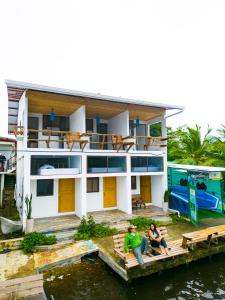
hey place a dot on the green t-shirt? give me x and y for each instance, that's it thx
(133, 240)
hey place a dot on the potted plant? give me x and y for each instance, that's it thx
(29, 220)
(166, 200)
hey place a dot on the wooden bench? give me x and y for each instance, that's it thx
(130, 260)
(23, 288)
(208, 235)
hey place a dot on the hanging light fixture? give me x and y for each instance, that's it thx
(137, 121)
(52, 116)
(98, 120)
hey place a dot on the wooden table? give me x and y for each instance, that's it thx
(202, 235)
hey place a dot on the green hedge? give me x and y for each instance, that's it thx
(88, 229)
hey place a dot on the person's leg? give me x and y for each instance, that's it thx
(138, 255)
(163, 244)
(144, 245)
(155, 244)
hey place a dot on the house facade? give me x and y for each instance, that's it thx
(81, 152)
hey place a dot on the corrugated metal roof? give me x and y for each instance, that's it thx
(197, 168)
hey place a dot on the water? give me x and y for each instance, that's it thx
(93, 280)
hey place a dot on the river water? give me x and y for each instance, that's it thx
(93, 280)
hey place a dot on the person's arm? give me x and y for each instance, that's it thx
(151, 236)
(126, 244)
(159, 236)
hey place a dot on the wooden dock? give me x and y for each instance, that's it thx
(200, 245)
(27, 288)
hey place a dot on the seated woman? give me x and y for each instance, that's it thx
(156, 239)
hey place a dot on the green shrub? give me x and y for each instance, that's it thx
(88, 229)
(35, 239)
(143, 223)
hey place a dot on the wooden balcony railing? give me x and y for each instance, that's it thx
(117, 141)
(8, 165)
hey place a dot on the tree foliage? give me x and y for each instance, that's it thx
(187, 145)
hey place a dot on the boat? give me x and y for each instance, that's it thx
(9, 226)
(179, 200)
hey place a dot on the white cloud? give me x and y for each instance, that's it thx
(166, 51)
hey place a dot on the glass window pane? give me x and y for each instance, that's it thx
(93, 185)
(45, 187)
(133, 182)
(116, 164)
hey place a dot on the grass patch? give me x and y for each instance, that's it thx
(36, 239)
(176, 219)
(88, 229)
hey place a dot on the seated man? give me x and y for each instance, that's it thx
(137, 243)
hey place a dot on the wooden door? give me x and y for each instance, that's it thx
(109, 188)
(66, 195)
(145, 187)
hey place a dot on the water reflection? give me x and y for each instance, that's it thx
(93, 280)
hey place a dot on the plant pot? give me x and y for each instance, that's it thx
(29, 225)
(165, 206)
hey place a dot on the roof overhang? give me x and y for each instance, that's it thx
(196, 168)
(50, 89)
(64, 101)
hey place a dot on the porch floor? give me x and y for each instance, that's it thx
(109, 216)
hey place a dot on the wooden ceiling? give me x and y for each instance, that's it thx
(64, 105)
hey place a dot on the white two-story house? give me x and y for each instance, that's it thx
(80, 152)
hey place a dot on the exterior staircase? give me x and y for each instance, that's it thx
(9, 209)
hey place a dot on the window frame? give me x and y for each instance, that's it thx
(135, 179)
(40, 181)
(92, 185)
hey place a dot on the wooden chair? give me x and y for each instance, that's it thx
(74, 137)
(119, 142)
(136, 200)
(21, 288)
(154, 141)
(130, 260)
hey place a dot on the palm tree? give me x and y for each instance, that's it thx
(187, 146)
(218, 148)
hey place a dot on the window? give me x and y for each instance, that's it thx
(133, 182)
(59, 123)
(89, 125)
(45, 187)
(106, 164)
(155, 129)
(93, 185)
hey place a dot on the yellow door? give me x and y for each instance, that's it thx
(145, 186)
(66, 195)
(109, 188)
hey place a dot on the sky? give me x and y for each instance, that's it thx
(168, 51)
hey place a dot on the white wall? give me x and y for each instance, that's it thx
(77, 120)
(22, 117)
(80, 196)
(124, 194)
(119, 124)
(158, 184)
(2, 179)
(95, 200)
(45, 206)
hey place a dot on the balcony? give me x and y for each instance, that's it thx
(45, 165)
(146, 164)
(7, 165)
(106, 164)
